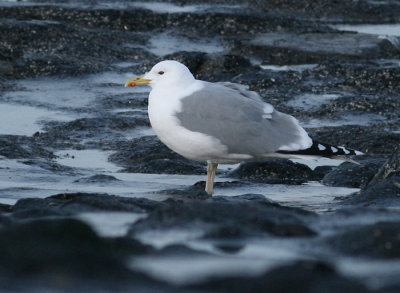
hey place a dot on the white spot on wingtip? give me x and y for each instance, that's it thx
(321, 147)
(346, 151)
(358, 153)
(268, 109)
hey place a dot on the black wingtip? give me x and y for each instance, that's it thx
(324, 150)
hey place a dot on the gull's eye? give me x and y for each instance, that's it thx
(161, 72)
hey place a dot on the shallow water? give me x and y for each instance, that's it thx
(311, 101)
(19, 180)
(165, 43)
(373, 29)
(299, 68)
(26, 120)
(45, 100)
(38, 106)
(347, 119)
(154, 6)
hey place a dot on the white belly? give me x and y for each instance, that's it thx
(192, 145)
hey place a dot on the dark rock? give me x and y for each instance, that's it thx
(368, 139)
(177, 250)
(230, 248)
(149, 155)
(274, 172)
(345, 11)
(194, 192)
(197, 190)
(108, 202)
(64, 40)
(5, 208)
(166, 166)
(353, 175)
(390, 168)
(51, 47)
(382, 189)
(49, 165)
(276, 47)
(67, 255)
(380, 240)
(13, 151)
(68, 204)
(20, 147)
(105, 129)
(223, 67)
(229, 219)
(321, 171)
(4, 221)
(99, 178)
(245, 198)
(384, 193)
(302, 276)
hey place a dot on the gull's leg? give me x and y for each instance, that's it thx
(211, 170)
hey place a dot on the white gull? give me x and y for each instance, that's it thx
(222, 122)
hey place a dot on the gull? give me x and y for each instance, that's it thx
(223, 122)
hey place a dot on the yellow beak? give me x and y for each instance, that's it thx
(138, 80)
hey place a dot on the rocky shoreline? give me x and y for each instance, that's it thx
(343, 86)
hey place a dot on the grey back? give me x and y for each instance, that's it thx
(227, 114)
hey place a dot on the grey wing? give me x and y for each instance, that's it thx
(242, 90)
(243, 125)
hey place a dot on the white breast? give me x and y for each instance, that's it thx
(163, 104)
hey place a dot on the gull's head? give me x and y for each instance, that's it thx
(166, 73)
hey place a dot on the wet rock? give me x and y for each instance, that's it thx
(389, 169)
(274, 172)
(49, 165)
(149, 155)
(21, 147)
(384, 193)
(321, 171)
(382, 189)
(177, 250)
(197, 190)
(4, 208)
(371, 77)
(194, 192)
(291, 48)
(94, 132)
(302, 276)
(247, 198)
(218, 67)
(67, 255)
(362, 11)
(49, 46)
(4, 220)
(228, 219)
(73, 203)
(166, 166)
(229, 248)
(99, 178)
(72, 39)
(353, 175)
(380, 240)
(368, 139)
(30, 152)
